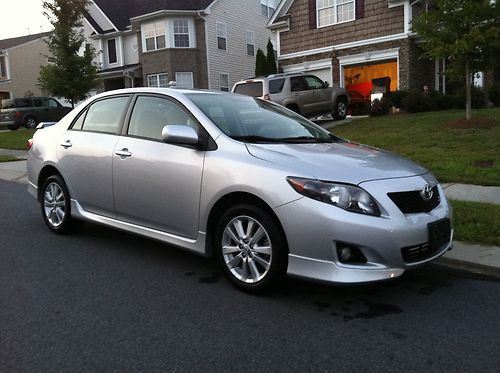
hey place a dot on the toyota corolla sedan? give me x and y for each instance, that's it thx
(266, 191)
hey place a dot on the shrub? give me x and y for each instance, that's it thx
(417, 101)
(397, 97)
(478, 98)
(494, 94)
(380, 107)
(445, 102)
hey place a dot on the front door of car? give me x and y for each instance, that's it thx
(301, 94)
(157, 185)
(322, 100)
(85, 154)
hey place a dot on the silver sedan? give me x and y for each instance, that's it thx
(266, 191)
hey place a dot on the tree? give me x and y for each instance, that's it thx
(260, 63)
(71, 72)
(462, 31)
(271, 60)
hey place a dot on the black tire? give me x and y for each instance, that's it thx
(30, 122)
(13, 127)
(252, 254)
(340, 109)
(56, 206)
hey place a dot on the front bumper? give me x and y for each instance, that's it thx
(314, 229)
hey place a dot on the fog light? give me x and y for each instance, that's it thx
(350, 254)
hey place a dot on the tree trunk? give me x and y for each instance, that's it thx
(468, 84)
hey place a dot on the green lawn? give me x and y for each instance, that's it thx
(465, 155)
(477, 222)
(15, 139)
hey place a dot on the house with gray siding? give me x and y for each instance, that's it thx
(196, 43)
(20, 61)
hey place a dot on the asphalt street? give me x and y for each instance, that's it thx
(104, 300)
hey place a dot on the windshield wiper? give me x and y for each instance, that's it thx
(256, 139)
(305, 139)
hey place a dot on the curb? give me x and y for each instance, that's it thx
(468, 266)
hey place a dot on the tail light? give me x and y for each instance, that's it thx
(267, 97)
(29, 144)
(18, 114)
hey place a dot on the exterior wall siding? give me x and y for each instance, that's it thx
(172, 60)
(239, 16)
(379, 20)
(24, 63)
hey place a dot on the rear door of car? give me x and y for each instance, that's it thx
(85, 153)
(157, 185)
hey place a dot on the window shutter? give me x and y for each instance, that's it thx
(312, 13)
(360, 9)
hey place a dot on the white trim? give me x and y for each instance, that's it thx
(407, 17)
(105, 16)
(381, 39)
(360, 58)
(284, 6)
(393, 4)
(90, 24)
(7, 67)
(334, 6)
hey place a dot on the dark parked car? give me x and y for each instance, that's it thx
(29, 111)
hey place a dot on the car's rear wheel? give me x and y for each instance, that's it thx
(251, 248)
(340, 109)
(56, 206)
(30, 122)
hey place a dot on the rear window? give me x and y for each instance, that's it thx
(16, 103)
(276, 85)
(253, 89)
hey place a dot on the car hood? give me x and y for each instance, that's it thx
(342, 162)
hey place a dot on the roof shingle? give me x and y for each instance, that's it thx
(14, 42)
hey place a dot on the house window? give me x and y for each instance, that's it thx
(250, 43)
(181, 33)
(158, 80)
(334, 11)
(221, 36)
(154, 36)
(267, 7)
(112, 51)
(224, 82)
(3, 67)
(184, 80)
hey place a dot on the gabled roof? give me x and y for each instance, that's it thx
(120, 12)
(14, 42)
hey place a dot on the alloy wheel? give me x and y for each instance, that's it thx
(54, 204)
(246, 249)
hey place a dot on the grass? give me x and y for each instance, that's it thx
(15, 139)
(7, 158)
(465, 155)
(477, 222)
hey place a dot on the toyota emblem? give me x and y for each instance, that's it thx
(426, 193)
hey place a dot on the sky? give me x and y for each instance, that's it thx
(22, 17)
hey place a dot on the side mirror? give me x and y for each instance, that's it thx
(179, 134)
(326, 84)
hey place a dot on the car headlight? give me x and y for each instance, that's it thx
(344, 196)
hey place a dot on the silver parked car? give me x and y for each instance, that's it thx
(251, 182)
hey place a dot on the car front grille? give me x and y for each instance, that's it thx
(412, 202)
(418, 253)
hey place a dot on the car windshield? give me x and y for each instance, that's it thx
(254, 120)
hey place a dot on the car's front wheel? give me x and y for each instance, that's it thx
(56, 208)
(251, 248)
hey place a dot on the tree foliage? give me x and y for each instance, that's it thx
(271, 60)
(260, 63)
(71, 72)
(464, 32)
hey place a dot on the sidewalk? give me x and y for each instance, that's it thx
(476, 258)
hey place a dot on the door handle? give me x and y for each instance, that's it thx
(66, 144)
(123, 153)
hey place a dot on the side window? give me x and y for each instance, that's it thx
(77, 125)
(276, 85)
(297, 83)
(314, 82)
(105, 115)
(52, 103)
(151, 114)
(38, 102)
